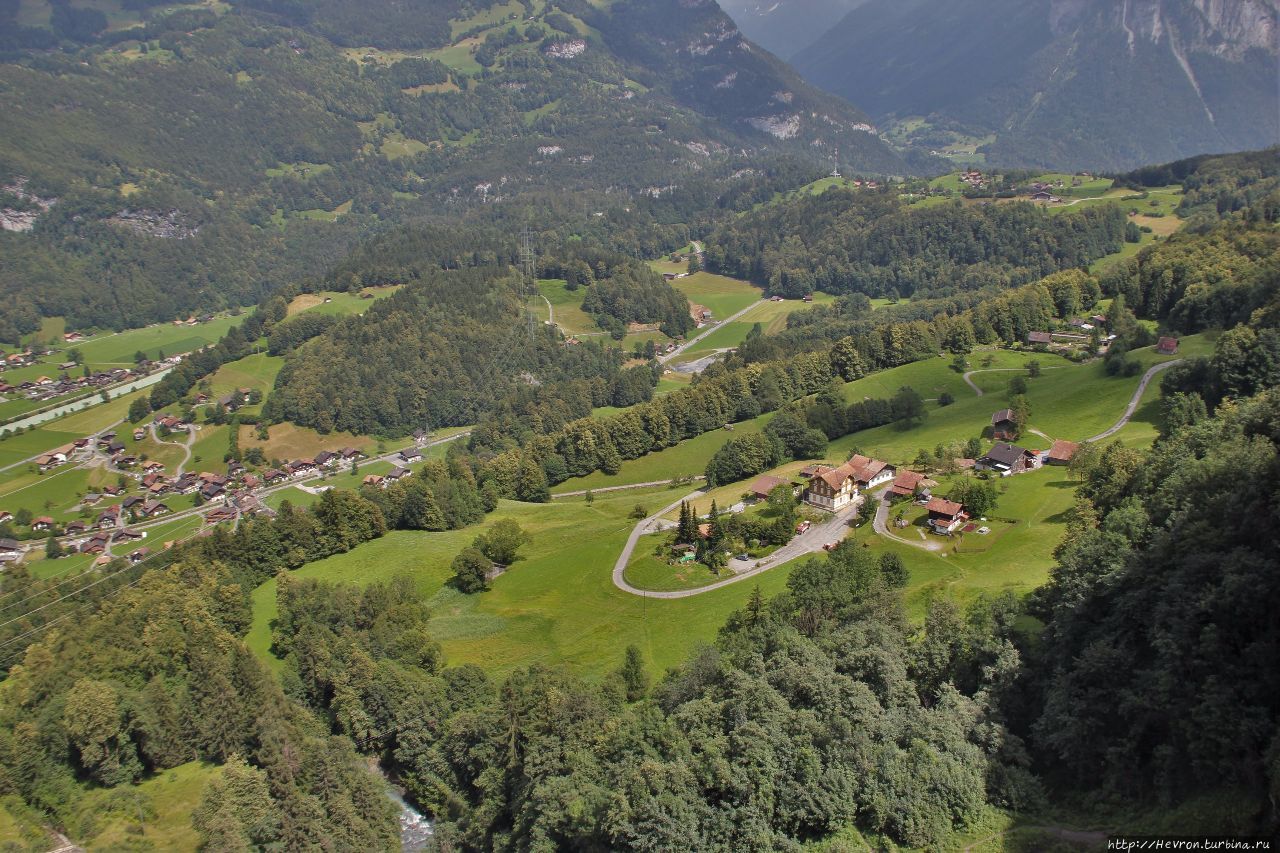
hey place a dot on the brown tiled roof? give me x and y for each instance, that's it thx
(905, 483)
(942, 506)
(765, 484)
(1062, 451)
(1002, 416)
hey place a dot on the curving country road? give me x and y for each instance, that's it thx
(809, 542)
(968, 381)
(1134, 401)
(879, 525)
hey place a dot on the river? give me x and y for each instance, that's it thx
(415, 830)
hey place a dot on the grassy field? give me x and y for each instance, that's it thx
(339, 303)
(556, 605)
(165, 801)
(567, 305)
(118, 350)
(772, 317)
(724, 296)
(290, 441)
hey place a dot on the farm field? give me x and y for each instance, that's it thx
(772, 317)
(117, 350)
(289, 441)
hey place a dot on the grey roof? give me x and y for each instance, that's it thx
(1005, 454)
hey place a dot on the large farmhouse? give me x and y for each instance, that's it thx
(834, 489)
(1006, 459)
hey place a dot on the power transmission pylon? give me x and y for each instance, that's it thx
(529, 270)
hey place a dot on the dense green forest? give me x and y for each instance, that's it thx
(441, 352)
(844, 241)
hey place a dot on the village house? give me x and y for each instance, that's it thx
(396, 474)
(374, 480)
(411, 454)
(5, 516)
(96, 545)
(1039, 339)
(139, 555)
(945, 516)
(834, 489)
(1003, 426)
(1167, 346)
(907, 483)
(108, 518)
(350, 454)
(10, 551)
(1007, 459)
(42, 523)
(327, 459)
(221, 514)
(1061, 453)
(153, 509)
(765, 484)
(128, 535)
(76, 528)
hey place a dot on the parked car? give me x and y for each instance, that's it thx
(802, 527)
(742, 557)
(831, 546)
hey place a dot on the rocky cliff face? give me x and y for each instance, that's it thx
(1088, 83)
(1227, 28)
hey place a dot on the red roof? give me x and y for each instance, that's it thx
(906, 482)
(1062, 451)
(942, 506)
(766, 484)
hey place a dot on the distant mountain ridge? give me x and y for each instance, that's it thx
(1065, 83)
(785, 27)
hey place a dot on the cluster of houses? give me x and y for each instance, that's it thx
(835, 488)
(44, 388)
(974, 179)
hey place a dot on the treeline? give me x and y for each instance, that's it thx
(1154, 679)
(1195, 281)
(719, 397)
(814, 711)
(1219, 185)
(158, 677)
(845, 241)
(443, 351)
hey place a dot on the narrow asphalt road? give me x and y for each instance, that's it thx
(880, 525)
(1134, 402)
(667, 357)
(809, 542)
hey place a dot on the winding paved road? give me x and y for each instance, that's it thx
(1134, 402)
(809, 542)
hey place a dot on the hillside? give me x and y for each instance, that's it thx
(1080, 84)
(204, 157)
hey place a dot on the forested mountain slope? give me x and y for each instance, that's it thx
(174, 161)
(1082, 84)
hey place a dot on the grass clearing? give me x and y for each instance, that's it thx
(166, 799)
(566, 306)
(557, 605)
(722, 295)
(290, 441)
(339, 303)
